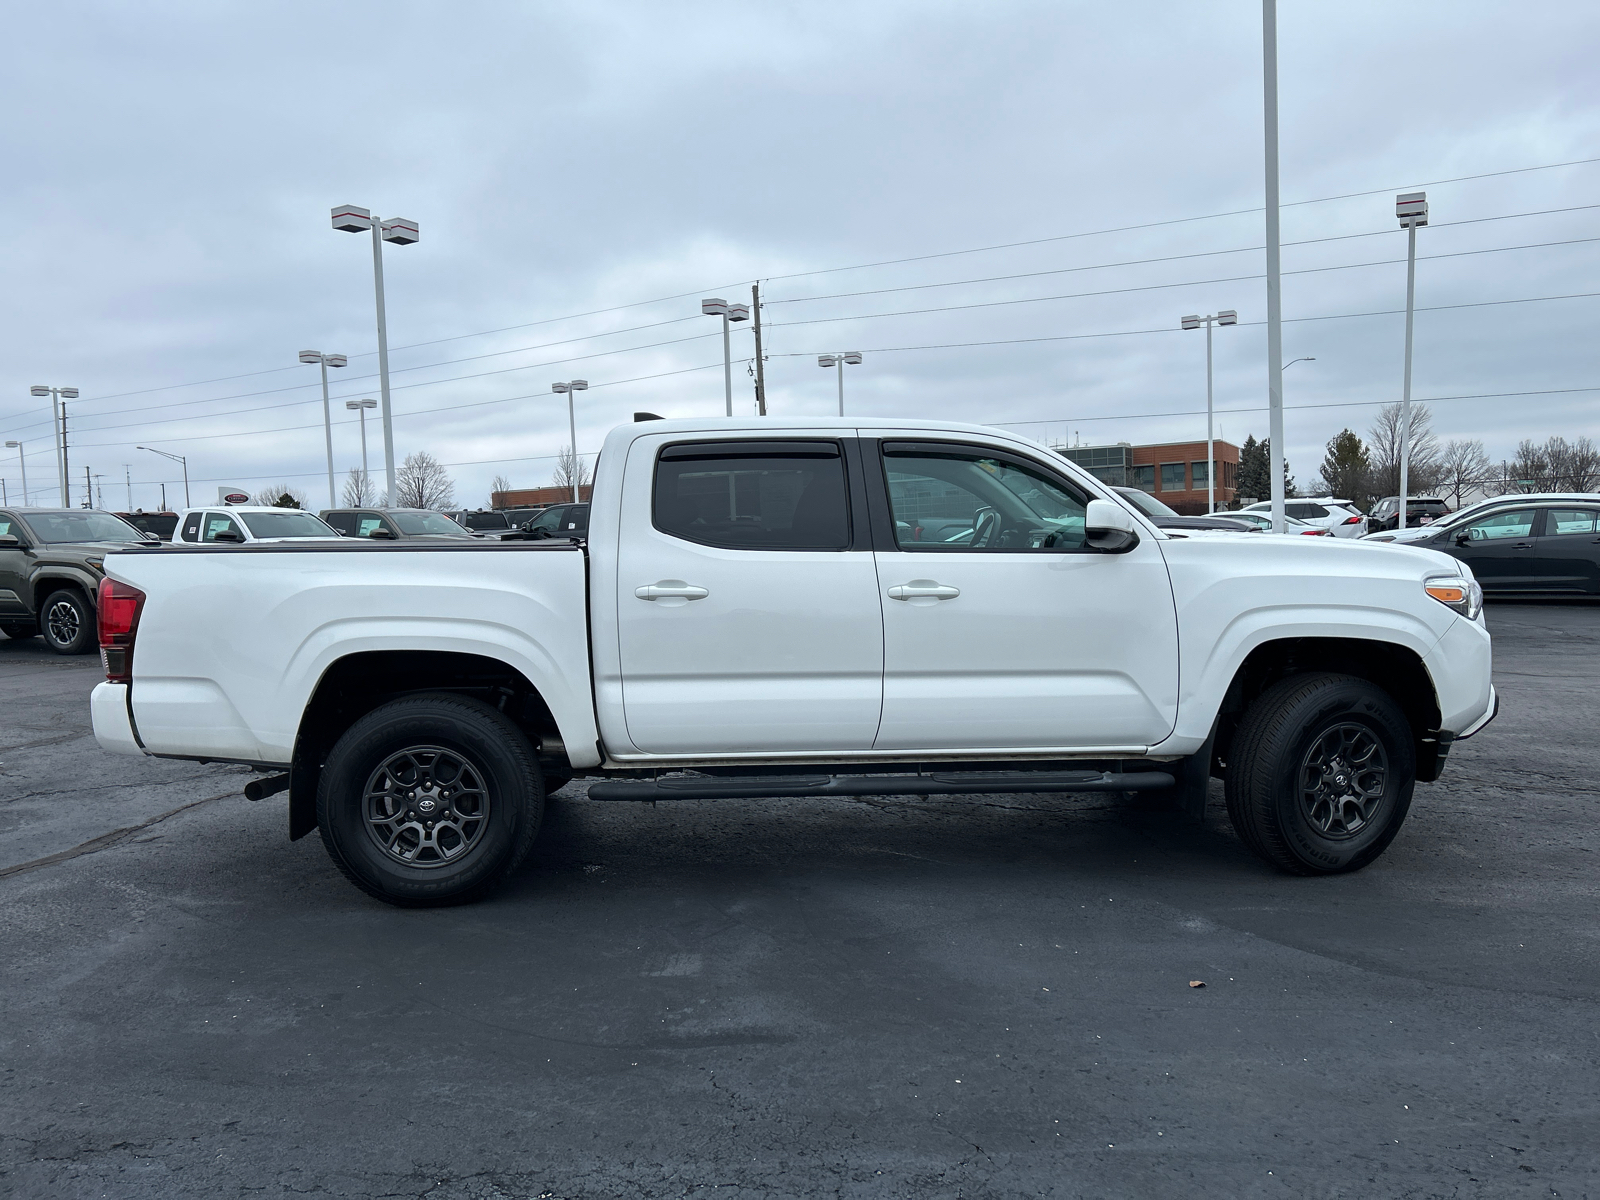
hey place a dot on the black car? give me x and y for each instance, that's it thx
(1549, 549)
(557, 521)
(1165, 518)
(1420, 510)
(50, 570)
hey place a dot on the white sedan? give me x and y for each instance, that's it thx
(1263, 520)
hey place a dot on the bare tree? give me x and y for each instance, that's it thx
(359, 490)
(1383, 442)
(1463, 465)
(571, 469)
(1574, 466)
(497, 486)
(280, 495)
(423, 483)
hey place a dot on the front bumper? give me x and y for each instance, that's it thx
(1494, 711)
(113, 726)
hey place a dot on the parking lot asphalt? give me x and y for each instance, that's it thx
(959, 997)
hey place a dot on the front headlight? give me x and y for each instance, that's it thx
(1459, 592)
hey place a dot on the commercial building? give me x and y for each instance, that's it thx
(1174, 472)
(533, 497)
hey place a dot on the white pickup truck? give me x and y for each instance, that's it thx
(788, 608)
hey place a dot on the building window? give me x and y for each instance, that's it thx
(1144, 477)
(1172, 477)
(1198, 472)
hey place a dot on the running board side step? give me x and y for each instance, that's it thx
(974, 783)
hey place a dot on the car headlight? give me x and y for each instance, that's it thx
(1461, 593)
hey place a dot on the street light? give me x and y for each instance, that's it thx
(1412, 209)
(1292, 362)
(58, 416)
(326, 361)
(361, 407)
(349, 219)
(728, 312)
(1226, 317)
(582, 385)
(853, 357)
(23, 463)
(177, 458)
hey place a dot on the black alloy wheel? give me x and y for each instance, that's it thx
(433, 799)
(1321, 774)
(67, 622)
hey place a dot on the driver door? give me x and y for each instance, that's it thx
(1005, 630)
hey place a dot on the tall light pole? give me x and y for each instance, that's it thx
(23, 463)
(326, 361)
(177, 458)
(361, 407)
(1227, 316)
(1269, 105)
(582, 385)
(58, 417)
(350, 219)
(853, 357)
(728, 312)
(1412, 209)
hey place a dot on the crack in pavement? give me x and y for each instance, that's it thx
(107, 840)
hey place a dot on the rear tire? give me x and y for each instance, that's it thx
(430, 800)
(1321, 774)
(19, 630)
(68, 623)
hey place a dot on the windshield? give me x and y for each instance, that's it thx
(485, 520)
(85, 526)
(1146, 503)
(290, 523)
(417, 523)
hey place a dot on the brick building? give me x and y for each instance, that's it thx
(533, 497)
(1173, 472)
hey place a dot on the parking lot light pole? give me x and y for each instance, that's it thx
(361, 407)
(1226, 317)
(326, 361)
(58, 417)
(838, 361)
(348, 218)
(582, 385)
(23, 463)
(177, 458)
(1412, 209)
(715, 307)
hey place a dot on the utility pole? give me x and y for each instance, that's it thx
(127, 475)
(761, 378)
(163, 497)
(88, 489)
(66, 500)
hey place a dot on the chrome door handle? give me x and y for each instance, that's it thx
(920, 588)
(670, 589)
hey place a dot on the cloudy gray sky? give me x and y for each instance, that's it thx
(582, 174)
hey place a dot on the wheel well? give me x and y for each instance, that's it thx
(1396, 669)
(42, 588)
(358, 683)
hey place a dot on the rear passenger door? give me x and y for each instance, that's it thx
(748, 618)
(1567, 553)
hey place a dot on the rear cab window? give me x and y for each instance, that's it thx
(759, 495)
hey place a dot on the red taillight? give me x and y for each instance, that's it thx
(1354, 520)
(1314, 533)
(120, 605)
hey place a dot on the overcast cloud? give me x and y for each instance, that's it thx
(171, 170)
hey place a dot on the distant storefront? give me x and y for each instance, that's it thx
(1174, 472)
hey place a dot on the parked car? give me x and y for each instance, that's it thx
(745, 604)
(159, 524)
(1165, 518)
(1525, 548)
(1263, 522)
(483, 522)
(557, 521)
(1420, 510)
(392, 523)
(248, 523)
(1340, 518)
(1415, 533)
(50, 572)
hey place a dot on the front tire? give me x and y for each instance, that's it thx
(430, 800)
(1322, 771)
(67, 622)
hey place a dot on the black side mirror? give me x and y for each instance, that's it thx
(227, 535)
(383, 534)
(1463, 538)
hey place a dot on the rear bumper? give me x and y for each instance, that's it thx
(113, 727)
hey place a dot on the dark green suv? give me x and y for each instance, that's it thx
(50, 570)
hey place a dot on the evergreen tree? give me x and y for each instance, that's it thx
(1255, 471)
(1347, 469)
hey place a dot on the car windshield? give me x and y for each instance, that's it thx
(290, 523)
(419, 523)
(69, 526)
(485, 520)
(1146, 503)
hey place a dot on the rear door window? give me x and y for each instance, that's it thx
(1560, 521)
(191, 528)
(344, 522)
(753, 495)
